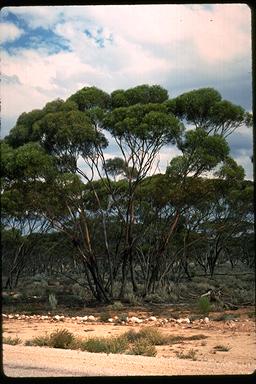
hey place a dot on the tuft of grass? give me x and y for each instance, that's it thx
(204, 305)
(152, 334)
(104, 316)
(196, 337)
(227, 316)
(40, 341)
(191, 354)
(131, 335)
(52, 301)
(175, 339)
(61, 338)
(143, 347)
(221, 348)
(251, 315)
(11, 340)
(117, 306)
(106, 345)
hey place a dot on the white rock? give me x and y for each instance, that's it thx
(91, 318)
(10, 316)
(183, 320)
(4, 315)
(57, 317)
(116, 317)
(110, 320)
(84, 318)
(206, 320)
(152, 318)
(135, 319)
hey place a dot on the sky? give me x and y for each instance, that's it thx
(51, 52)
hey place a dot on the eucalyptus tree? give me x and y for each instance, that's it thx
(65, 176)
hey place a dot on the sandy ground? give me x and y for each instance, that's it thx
(238, 336)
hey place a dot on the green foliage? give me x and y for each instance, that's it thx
(142, 94)
(11, 340)
(117, 306)
(53, 301)
(143, 347)
(61, 338)
(151, 334)
(221, 348)
(90, 97)
(204, 305)
(191, 354)
(104, 316)
(106, 345)
(40, 341)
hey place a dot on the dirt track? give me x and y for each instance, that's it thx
(238, 336)
(41, 361)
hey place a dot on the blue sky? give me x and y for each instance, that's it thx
(50, 52)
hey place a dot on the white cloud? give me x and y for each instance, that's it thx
(9, 32)
(177, 46)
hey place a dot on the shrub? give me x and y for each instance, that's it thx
(153, 335)
(131, 335)
(11, 340)
(123, 316)
(227, 316)
(53, 301)
(107, 345)
(39, 341)
(104, 316)
(196, 337)
(117, 306)
(221, 348)
(204, 305)
(61, 338)
(143, 347)
(190, 355)
(132, 299)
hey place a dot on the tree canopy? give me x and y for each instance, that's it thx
(126, 223)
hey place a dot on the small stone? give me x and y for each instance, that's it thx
(110, 320)
(91, 318)
(183, 320)
(84, 318)
(57, 317)
(206, 320)
(152, 318)
(4, 315)
(10, 316)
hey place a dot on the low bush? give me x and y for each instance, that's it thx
(204, 305)
(151, 334)
(53, 301)
(11, 340)
(104, 316)
(117, 306)
(107, 345)
(227, 316)
(61, 338)
(143, 347)
(40, 341)
(191, 354)
(221, 348)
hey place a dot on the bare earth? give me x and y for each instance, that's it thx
(238, 336)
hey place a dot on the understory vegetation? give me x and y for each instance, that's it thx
(141, 342)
